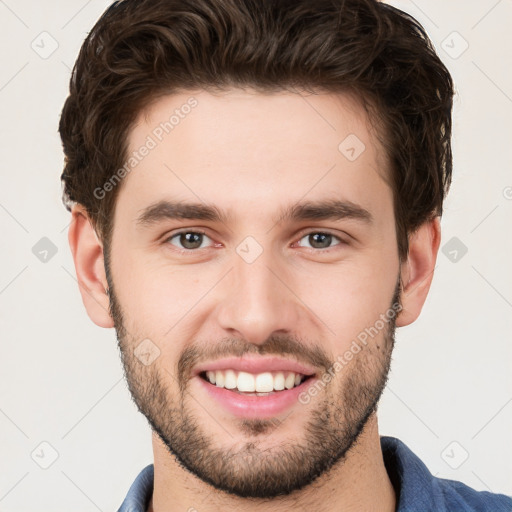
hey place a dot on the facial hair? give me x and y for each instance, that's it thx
(335, 421)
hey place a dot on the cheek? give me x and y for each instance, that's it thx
(168, 305)
(350, 298)
(161, 301)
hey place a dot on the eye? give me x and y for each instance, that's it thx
(321, 240)
(188, 240)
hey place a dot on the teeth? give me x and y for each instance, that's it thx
(219, 379)
(230, 379)
(261, 384)
(279, 381)
(245, 382)
(289, 382)
(265, 382)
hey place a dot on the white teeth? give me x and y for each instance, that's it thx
(289, 382)
(230, 379)
(245, 382)
(279, 381)
(261, 384)
(264, 382)
(219, 379)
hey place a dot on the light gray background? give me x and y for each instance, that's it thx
(450, 391)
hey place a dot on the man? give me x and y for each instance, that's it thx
(256, 190)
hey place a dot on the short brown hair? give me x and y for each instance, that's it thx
(142, 49)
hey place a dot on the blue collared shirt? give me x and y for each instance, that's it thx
(417, 490)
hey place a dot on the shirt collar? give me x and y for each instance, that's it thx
(140, 492)
(415, 487)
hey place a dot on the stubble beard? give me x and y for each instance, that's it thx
(245, 469)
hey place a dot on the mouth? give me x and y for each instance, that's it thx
(261, 384)
(253, 387)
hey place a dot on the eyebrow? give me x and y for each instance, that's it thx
(310, 210)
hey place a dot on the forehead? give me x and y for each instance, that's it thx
(249, 152)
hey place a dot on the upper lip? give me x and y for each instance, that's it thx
(255, 365)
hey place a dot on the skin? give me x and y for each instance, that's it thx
(252, 154)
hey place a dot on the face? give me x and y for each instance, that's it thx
(255, 327)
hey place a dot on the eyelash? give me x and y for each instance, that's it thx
(304, 234)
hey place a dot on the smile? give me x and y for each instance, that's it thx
(260, 384)
(253, 387)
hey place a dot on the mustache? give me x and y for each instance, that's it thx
(276, 345)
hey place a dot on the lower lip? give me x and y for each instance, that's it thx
(252, 406)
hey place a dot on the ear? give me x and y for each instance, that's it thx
(418, 270)
(87, 253)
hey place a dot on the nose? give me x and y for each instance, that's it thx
(258, 300)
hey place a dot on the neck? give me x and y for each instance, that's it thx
(359, 483)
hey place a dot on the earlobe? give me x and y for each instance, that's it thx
(417, 271)
(87, 253)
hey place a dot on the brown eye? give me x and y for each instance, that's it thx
(321, 240)
(188, 240)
